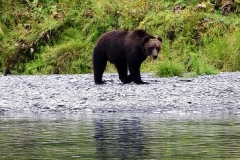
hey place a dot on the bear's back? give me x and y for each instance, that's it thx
(113, 35)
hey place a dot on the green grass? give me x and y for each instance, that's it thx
(63, 34)
(169, 69)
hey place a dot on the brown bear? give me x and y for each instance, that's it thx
(126, 50)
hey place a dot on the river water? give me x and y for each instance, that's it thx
(119, 136)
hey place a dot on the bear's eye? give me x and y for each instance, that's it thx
(151, 48)
(158, 49)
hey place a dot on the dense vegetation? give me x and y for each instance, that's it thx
(58, 36)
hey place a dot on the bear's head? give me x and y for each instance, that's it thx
(152, 46)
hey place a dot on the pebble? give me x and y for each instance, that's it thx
(79, 94)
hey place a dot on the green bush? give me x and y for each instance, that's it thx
(169, 69)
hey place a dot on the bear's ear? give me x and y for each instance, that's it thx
(146, 39)
(160, 39)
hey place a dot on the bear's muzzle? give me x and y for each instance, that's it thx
(154, 56)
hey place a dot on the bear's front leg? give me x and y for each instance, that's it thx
(135, 75)
(127, 79)
(100, 82)
(139, 81)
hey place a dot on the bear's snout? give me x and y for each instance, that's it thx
(154, 56)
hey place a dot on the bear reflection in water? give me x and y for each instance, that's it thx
(123, 140)
(126, 50)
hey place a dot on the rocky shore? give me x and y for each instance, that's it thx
(77, 94)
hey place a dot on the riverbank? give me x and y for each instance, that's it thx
(78, 93)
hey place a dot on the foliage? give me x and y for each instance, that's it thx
(198, 66)
(169, 69)
(58, 36)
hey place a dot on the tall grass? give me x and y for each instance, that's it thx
(224, 52)
(169, 69)
(58, 36)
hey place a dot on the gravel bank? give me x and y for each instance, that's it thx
(78, 93)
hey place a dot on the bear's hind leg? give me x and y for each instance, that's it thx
(99, 65)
